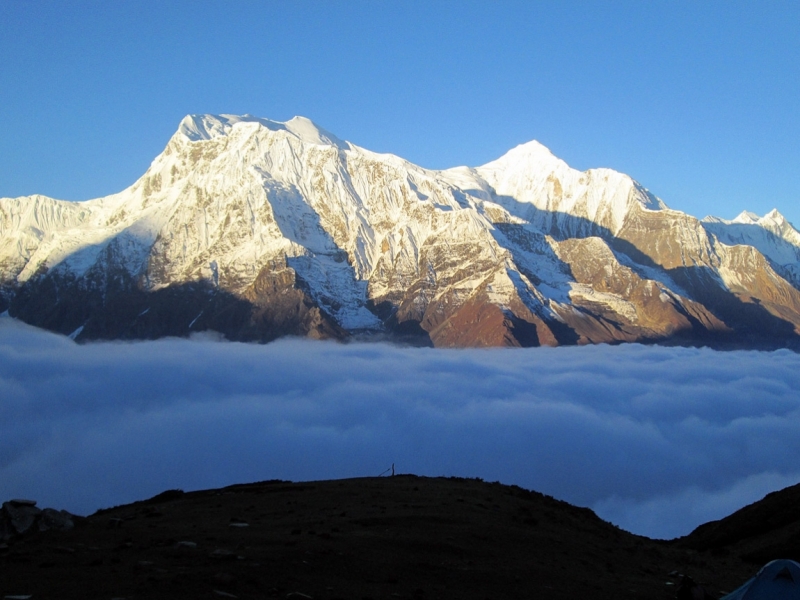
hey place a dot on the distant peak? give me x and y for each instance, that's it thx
(751, 218)
(775, 220)
(534, 148)
(774, 215)
(532, 152)
(747, 217)
(206, 127)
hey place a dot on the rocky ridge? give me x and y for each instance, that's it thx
(258, 229)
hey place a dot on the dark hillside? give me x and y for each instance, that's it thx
(763, 531)
(392, 537)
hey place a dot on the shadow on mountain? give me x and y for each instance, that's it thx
(752, 320)
(531, 242)
(752, 323)
(531, 251)
(407, 333)
(560, 226)
(762, 240)
(121, 310)
(327, 276)
(302, 295)
(289, 296)
(324, 273)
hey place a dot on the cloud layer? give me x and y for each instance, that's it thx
(657, 440)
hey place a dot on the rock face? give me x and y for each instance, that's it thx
(20, 517)
(259, 229)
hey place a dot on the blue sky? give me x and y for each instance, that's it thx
(697, 101)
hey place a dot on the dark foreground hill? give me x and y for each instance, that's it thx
(758, 533)
(393, 537)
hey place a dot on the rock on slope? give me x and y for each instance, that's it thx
(258, 229)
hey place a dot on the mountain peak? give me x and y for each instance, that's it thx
(776, 216)
(532, 152)
(206, 126)
(772, 219)
(746, 217)
(261, 228)
(527, 158)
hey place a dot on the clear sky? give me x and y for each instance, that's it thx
(698, 101)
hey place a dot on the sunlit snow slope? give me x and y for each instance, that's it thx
(258, 229)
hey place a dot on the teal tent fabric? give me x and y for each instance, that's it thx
(777, 580)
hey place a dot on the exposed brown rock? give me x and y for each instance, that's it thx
(622, 306)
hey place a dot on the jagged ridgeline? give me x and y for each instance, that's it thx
(258, 229)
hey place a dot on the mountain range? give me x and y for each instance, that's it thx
(258, 229)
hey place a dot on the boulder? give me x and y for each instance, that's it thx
(19, 517)
(60, 520)
(22, 514)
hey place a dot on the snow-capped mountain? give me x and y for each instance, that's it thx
(257, 229)
(772, 235)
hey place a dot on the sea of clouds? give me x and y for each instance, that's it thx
(657, 440)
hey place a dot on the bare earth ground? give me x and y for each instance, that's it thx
(392, 537)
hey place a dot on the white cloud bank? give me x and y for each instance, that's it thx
(657, 440)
